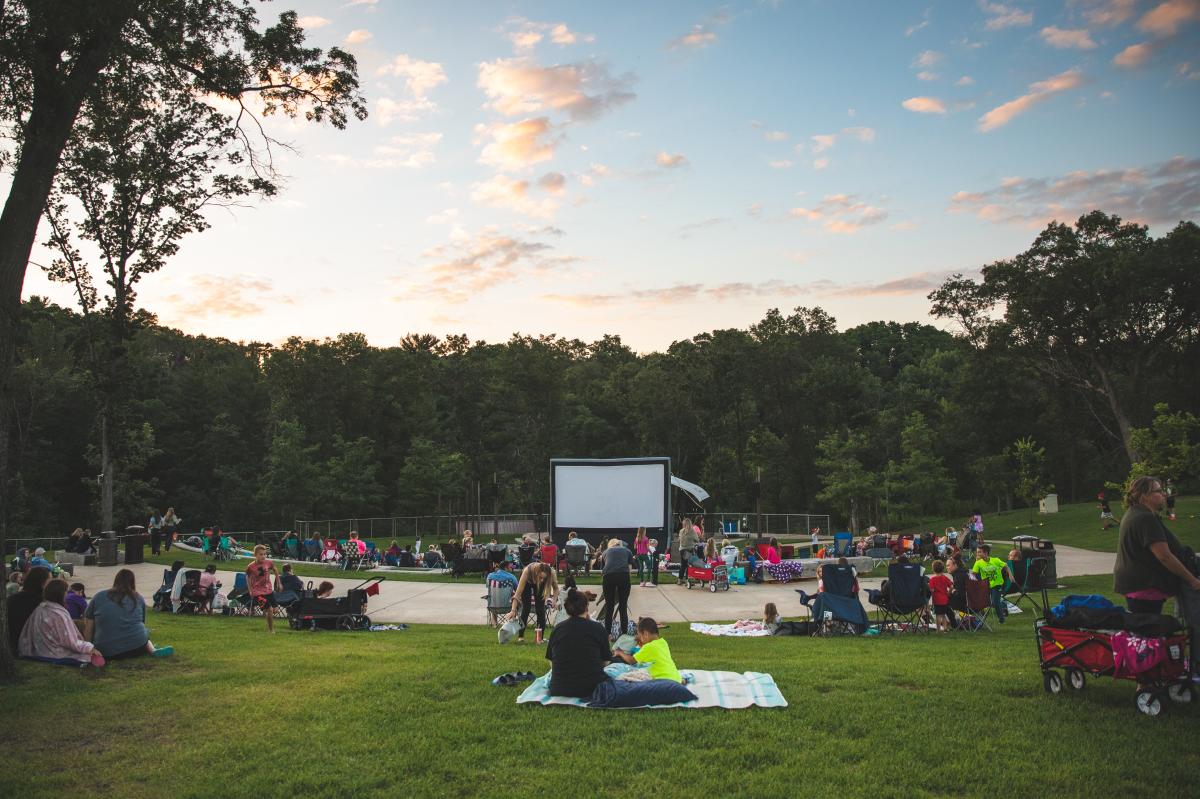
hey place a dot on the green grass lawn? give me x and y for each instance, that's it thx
(1075, 525)
(240, 713)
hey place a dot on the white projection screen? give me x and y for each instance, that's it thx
(596, 498)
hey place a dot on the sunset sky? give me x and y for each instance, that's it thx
(656, 170)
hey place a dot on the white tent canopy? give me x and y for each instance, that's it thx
(691, 489)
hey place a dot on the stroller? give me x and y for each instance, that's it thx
(715, 576)
(161, 600)
(347, 612)
(191, 598)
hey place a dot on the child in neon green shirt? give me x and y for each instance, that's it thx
(992, 570)
(654, 651)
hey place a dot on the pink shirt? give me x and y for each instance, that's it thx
(258, 575)
(207, 581)
(362, 546)
(50, 633)
(772, 555)
(641, 547)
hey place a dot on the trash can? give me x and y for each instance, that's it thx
(1040, 554)
(135, 546)
(106, 552)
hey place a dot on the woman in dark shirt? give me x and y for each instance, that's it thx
(578, 650)
(22, 604)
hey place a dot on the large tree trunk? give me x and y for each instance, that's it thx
(1118, 412)
(56, 103)
(106, 479)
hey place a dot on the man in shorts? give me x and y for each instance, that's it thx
(261, 578)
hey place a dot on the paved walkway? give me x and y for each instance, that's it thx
(461, 602)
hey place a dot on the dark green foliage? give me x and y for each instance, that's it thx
(885, 423)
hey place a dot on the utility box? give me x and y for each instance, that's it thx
(1049, 504)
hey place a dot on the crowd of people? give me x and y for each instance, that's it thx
(52, 621)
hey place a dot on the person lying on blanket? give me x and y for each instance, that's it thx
(652, 650)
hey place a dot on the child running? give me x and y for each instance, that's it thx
(940, 586)
(653, 650)
(261, 578)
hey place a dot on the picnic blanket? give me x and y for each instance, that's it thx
(785, 571)
(728, 689)
(741, 629)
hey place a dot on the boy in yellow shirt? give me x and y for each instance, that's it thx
(653, 650)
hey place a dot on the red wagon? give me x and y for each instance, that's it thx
(716, 576)
(1081, 652)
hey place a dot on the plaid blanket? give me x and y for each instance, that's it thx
(732, 630)
(727, 689)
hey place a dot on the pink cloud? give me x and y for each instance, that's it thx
(1068, 39)
(1038, 92)
(1165, 19)
(924, 105)
(518, 144)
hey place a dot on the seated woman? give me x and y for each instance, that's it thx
(289, 581)
(22, 604)
(115, 621)
(578, 650)
(52, 637)
(729, 553)
(392, 556)
(434, 559)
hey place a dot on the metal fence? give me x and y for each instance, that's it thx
(433, 528)
(428, 528)
(773, 524)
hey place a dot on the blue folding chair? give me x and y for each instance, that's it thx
(843, 545)
(904, 603)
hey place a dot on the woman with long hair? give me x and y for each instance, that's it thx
(536, 587)
(641, 548)
(115, 620)
(23, 603)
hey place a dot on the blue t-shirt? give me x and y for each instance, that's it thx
(119, 627)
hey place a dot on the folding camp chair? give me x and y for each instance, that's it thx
(240, 602)
(549, 556)
(525, 554)
(499, 599)
(904, 604)
(843, 544)
(293, 548)
(881, 556)
(577, 560)
(837, 610)
(1027, 576)
(979, 607)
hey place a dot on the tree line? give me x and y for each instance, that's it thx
(1050, 381)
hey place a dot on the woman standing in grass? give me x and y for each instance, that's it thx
(261, 578)
(536, 586)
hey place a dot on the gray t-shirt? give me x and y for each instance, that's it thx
(119, 627)
(617, 560)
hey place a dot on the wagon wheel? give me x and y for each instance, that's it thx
(712, 588)
(364, 622)
(1181, 693)
(294, 622)
(1149, 703)
(1075, 679)
(346, 622)
(689, 584)
(1052, 682)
